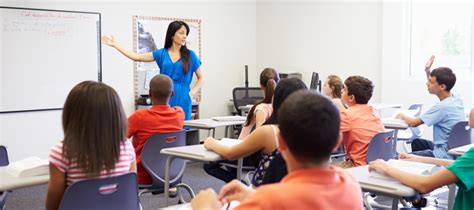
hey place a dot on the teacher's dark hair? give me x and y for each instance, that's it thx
(184, 52)
(95, 126)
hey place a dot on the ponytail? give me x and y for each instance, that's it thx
(269, 91)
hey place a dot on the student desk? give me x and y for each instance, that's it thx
(197, 153)
(458, 151)
(395, 125)
(381, 186)
(211, 125)
(380, 106)
(9, 182)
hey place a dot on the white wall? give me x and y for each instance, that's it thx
(329, 37)
(228, 43)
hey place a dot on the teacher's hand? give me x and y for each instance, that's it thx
(109, 40)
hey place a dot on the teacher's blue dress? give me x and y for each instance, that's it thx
(181, 81)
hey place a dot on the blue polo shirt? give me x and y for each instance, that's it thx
(443, 116)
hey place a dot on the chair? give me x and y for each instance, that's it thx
(380, 147)
(412, 132)
(3, 162)
(243, 96)
(155, 163)
(116, 192)
(460, 135)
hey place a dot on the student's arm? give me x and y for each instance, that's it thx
(206, 199)
(430, 160)
(420, 183)
(235, 190)
(471, 118)
(259, 118)
(411, 121)
(133, 166)
(254, 142)
(428, 66)
(56, 188)
(145, 57)
(198, 84)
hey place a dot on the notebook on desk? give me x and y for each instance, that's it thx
(460, 150)
(28, 167)
(230, 118)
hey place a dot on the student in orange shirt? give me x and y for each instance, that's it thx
(360, 122)
(309, 132)
(160, 118)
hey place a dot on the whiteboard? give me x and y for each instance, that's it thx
(44, 53)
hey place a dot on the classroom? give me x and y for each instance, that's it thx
(387, 42)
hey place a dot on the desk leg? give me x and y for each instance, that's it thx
(240, 163)
(452, 193)
(213, 133)
(167, 179)
(395, 204)
(395, 140)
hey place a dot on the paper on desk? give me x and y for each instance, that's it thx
(31, 166)
(229, 118)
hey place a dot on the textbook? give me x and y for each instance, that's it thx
(407, 166)
(31, 166)
(230, 118)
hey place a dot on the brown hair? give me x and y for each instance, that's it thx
(361, 87)
(336, 85)
(268, 79)
(94, 125)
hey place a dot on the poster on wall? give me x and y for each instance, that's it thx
(149, 34)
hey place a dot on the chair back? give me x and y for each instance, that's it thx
(380, 147)
(460, 135)
(417, 131)
(3, 156)
(155, 163)
(116, 192)
(416, 107)
(243, 96)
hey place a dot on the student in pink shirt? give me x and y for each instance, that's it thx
(262, 110)
(95, 144)
(309, 132)
(360, 122)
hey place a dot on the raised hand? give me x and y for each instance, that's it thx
(428, 65)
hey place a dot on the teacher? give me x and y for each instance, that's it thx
(174, 60)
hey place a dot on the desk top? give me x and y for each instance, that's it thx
(9, 182)
(210, 123)
(458, 151)
(380, 106)
(198, 152)
(380, 185)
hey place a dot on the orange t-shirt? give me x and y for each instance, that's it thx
(146, 122)
(316, 188)
(359, 123)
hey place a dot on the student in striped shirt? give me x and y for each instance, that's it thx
(95, 143)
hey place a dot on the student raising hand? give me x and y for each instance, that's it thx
(428, 66)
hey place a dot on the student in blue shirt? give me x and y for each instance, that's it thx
(175, 60)
(442, 116)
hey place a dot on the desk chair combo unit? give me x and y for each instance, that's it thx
(3, 162)
(155, 163)
(406, 136)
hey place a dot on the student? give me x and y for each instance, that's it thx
(262, 110)
(160, 118)
(174, 60)
(263, 139)
(360, 122)
(94, 144)
(309, 132)
(460, 171)
(442, 116)
(332, 88)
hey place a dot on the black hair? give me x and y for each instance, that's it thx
(309, 125)
(184, 52)
(284, 88)
(444, 76)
